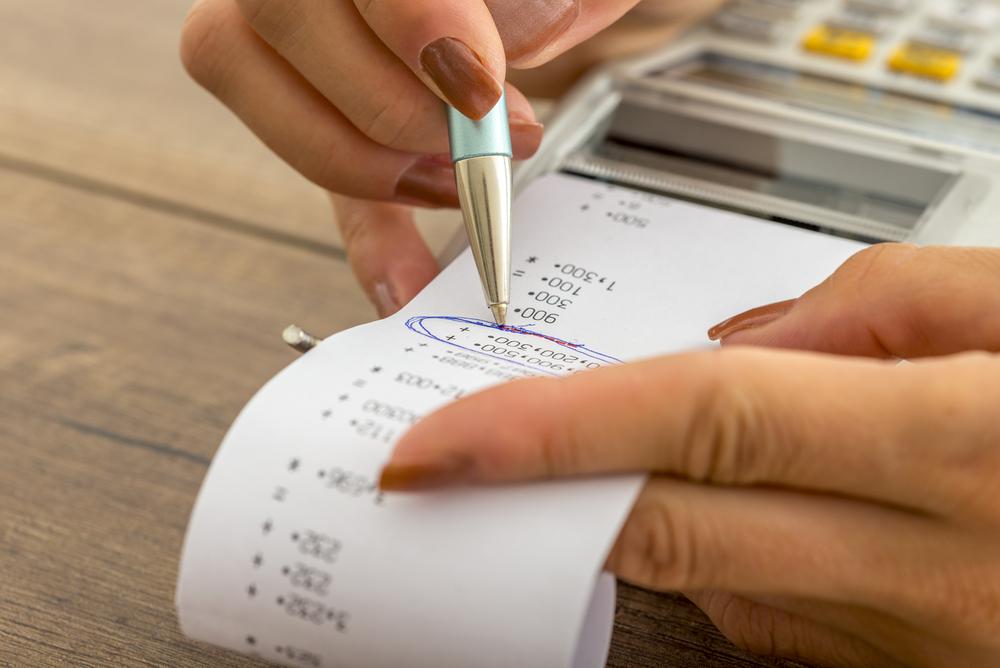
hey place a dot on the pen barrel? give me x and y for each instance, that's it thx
(484, 193)
(490, 135)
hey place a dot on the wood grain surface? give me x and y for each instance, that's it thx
(95, 92)
(150, 253)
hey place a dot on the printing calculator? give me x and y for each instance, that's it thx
(872, 119)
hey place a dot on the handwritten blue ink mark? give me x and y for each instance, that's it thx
(425, 325)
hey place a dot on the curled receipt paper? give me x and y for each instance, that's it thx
(294, 555)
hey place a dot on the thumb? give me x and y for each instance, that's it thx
(888, 301)
(536, 31)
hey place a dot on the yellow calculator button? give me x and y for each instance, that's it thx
(839, 42)
(925, 61)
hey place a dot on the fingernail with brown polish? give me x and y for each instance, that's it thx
(525, 137)
(461, 76)
(423, 473)
(755, 317)
(428, 182)
(385, 299)
(528, 26)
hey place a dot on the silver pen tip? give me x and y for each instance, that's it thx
(499, 313)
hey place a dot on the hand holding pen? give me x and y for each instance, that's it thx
(350, 94)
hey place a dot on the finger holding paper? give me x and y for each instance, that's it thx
(890, 300)
(802, 486)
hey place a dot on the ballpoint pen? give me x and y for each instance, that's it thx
(481, 153)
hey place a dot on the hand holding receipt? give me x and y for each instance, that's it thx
(295, 555)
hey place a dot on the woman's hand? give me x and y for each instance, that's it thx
(349, 92)
(841, 511)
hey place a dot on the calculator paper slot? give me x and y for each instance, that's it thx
(789, 177)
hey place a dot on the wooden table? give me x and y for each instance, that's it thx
(150, 253)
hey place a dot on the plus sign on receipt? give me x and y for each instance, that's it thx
(294, 555)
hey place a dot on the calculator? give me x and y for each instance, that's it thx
(947, 50)
(872, 119)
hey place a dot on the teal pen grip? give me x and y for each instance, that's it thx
(488, 136)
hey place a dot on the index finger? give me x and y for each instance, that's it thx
(889, 300)
(739, 417)
(451, 45)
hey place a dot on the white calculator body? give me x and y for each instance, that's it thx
(874, 119)
(947, 50)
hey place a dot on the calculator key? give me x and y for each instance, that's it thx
(829, 40)
(946, 39)
(747, 25)
(966, 15)
(990, 80)
(925, 61)
(867, 22)
(880, 6)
